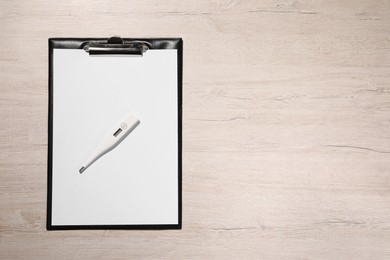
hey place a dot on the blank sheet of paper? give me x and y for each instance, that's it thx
(137, 182)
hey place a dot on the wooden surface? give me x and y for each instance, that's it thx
(286, 130)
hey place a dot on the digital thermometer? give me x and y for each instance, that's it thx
(112, 139)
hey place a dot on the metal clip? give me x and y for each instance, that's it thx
(117, 46)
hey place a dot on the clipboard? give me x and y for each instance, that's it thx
(93, 83)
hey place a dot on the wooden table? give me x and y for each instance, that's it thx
(286, 128)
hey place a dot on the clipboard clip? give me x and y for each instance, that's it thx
(117, 46)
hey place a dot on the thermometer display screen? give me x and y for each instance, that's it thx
(118, 132)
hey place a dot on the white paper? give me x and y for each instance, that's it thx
(137, 182)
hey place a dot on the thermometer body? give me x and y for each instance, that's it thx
(112, 139)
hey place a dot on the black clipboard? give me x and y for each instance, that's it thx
(123, 47)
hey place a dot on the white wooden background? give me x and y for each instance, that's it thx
(286, 128)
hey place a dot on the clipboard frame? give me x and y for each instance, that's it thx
(79, 43)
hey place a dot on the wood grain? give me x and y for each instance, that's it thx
(286, 151)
